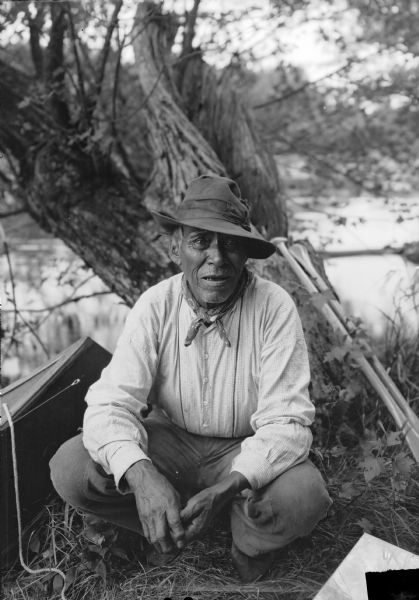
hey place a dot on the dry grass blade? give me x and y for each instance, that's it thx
(204, 569)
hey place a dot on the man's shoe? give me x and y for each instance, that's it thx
(251, 568)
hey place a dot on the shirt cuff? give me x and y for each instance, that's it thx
(122, 459)
(257, 470)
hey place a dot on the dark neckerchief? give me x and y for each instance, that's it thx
(212, 315)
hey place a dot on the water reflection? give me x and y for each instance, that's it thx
(382, 289)
(59, 300)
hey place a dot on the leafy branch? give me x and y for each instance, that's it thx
(16, 310)
(69, 300)
(106, 48)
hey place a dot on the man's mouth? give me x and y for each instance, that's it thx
(216, 278)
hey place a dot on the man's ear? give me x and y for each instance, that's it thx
(174, 250)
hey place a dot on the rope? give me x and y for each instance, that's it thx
(26, 414)
(18, 514)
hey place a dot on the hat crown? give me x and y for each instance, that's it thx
(215, 197)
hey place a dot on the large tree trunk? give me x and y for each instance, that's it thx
(194, 123)
(87, 200)
(214, 104)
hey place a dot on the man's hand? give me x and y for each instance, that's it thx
(158, 506)
(203, 507)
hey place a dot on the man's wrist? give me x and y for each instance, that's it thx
(134, 475)
(232, 485)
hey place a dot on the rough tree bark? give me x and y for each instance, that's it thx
(84, 197)
(212, 101)
(195, 123)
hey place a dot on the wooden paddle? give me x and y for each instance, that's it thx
(406, 420)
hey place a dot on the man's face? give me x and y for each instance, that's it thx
(212, 263)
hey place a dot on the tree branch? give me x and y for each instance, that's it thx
(5, 179)
(35, 29)
(16, 311)
(187, 49)
(60, 304)
(106, 48)
(54, 73)
(118, 144)
(305, 85)
(190, 28)
(80, 77)
(115, 84)
(12, 213)
(330, 166)
(12, 282)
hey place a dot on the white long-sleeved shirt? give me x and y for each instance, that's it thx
(257, 388)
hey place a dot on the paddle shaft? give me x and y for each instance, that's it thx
(299, 252)
(399, 416)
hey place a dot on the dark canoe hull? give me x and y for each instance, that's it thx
(47, 409)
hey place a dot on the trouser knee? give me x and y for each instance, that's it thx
(287, 508)
(302, 517)
(84, 484)
(67, 469)
(299, 500)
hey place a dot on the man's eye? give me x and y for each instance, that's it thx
(232, 244)
(199, 243)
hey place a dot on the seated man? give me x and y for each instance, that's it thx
(219, 354)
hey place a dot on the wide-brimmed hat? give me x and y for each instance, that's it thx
(215, 204)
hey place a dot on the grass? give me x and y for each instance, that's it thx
(113, 565)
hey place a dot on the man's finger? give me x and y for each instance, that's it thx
(146, 530)
(190, 511)
(161, 535)
(192, 530)
(158, 547)
(176, 527)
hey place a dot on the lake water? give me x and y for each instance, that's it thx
(377, 289)
(46, 273)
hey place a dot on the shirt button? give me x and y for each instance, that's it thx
(205, 380)
(206, 356)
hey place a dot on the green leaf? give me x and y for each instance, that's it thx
(100, 569)
(58, 71)
(336, 353)
(70, 576)
(403, 464)
(372, 467)
(348, 491)
(337, 451)
(92, 534)
(35, 544)
(94, 549)
(365, 524)
(350, 391)
(393, 438)
(319, 299)
(399, 485)
(370, 443)
(57, 583)
(120, 552)
(24, 103)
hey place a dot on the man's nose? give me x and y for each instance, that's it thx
(215, 251)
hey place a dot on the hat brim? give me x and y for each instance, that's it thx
(256, 245)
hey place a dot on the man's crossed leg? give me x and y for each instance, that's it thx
(262, 521)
